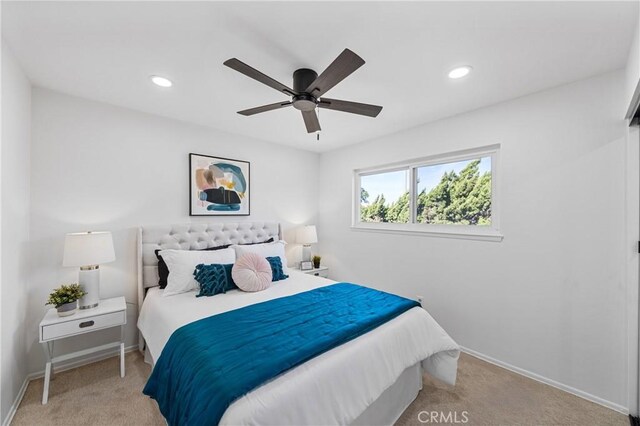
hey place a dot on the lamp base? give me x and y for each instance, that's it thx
(306, 253)
(95, 305)
(89, 280)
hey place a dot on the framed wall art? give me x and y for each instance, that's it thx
(218, 186)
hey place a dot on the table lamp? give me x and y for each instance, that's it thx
(306, 236)
(88, 250)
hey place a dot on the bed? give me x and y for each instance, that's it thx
(369, 380)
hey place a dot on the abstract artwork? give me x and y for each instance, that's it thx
(218, 186)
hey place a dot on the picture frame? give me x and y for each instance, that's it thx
(219, 186)
(306, 265)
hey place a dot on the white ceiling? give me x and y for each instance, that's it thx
(106, 51)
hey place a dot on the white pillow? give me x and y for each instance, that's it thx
(182, 263)
(265, 250)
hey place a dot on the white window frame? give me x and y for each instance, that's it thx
(475, 232)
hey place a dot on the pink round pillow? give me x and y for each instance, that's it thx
(252, 272)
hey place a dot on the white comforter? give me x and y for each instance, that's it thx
(333, 388)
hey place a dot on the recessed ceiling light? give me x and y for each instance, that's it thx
(460, 72)
(161, 81)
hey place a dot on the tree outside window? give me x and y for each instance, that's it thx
(452, 193)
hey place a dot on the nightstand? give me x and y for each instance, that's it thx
(322, 271)
(109, 313)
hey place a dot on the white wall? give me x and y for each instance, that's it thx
(632, 69)
(95, 166)
(633, 276)
(16, 134)
(549, 298)
(632, 80)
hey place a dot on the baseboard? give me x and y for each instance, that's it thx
(63, 366)
(584, 395)
(16, 402)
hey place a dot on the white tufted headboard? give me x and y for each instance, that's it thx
(193, 236)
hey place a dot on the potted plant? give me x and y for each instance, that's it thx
(316, 261)
(65, 299)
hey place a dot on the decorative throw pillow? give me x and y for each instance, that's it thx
(276, 269)
(252, 272)
(216, 248)
(182, 263)
(264, 250)
(214, 279)
(270, 240)
(163, 271)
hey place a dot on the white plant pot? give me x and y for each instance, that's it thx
(67, 309)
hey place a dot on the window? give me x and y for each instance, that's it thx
(384, 197)
(449, 195)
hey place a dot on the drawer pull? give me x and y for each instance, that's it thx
(316, 274)
(87, 324)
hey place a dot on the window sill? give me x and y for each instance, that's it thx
(429, 231)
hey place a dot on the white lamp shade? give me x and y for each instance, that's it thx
(88, 248)
(307, 235)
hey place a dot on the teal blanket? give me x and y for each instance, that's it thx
(208, 364)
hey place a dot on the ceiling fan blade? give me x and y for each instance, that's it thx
(346, 63)
(245, 69)
(311, 121)
(352, 107)
(265, 108)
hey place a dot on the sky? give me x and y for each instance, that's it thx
(394, 184)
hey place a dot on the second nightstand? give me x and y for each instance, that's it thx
(322, 271)
(109, 313)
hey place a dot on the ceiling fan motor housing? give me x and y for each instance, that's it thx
(302, 78)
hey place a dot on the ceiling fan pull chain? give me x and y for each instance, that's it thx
(318, 132)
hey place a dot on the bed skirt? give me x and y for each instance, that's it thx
(389, 406)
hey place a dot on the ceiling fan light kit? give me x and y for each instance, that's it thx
(308, 87)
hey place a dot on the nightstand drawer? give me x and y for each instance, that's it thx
(323, 274)
(82, 325)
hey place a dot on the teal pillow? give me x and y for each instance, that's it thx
(276, 268)
(214, 279)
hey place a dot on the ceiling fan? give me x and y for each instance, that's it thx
(308, 88)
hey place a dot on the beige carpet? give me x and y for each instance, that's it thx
(96, 395)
